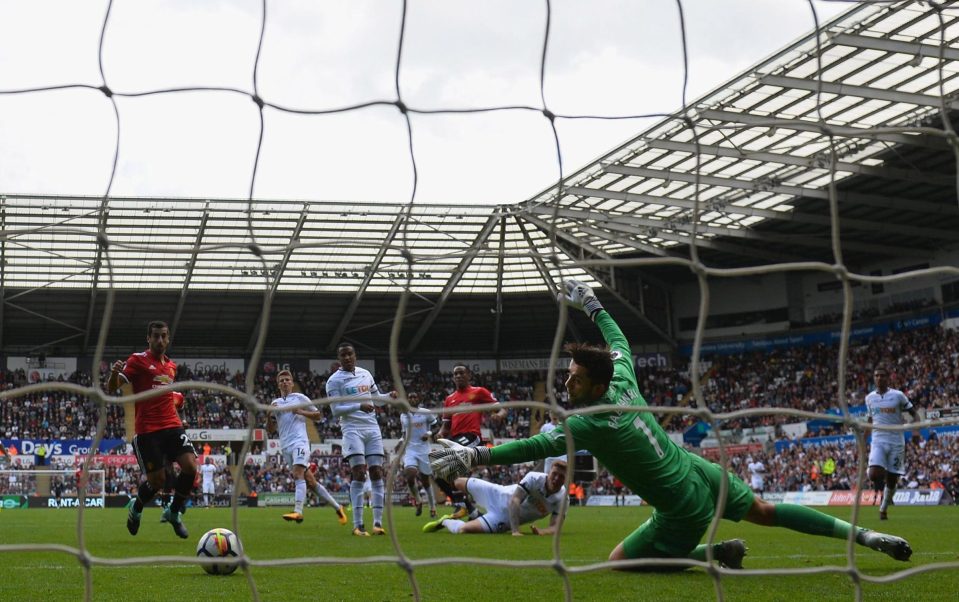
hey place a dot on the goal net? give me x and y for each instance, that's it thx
(687, 192)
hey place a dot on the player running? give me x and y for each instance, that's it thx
(295, 446)
(682, 487)
(160, 437)
(887, 451)
(417, 425)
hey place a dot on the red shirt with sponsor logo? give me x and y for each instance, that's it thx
(468, 422)
(145, 372)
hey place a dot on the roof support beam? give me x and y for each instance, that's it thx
(278, 272)
(702, 243)
(789, 216)
(812, 85)
(455, 278)
(814, 162)
(638, 225)
(611, 288)
(767, 185)
(802, 125)
(887, 45)
(371, 272)
(197, 243)
(499, 285)
(551, 286)
(98, 262)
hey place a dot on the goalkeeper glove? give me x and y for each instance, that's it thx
(456, 460)
(582, 297)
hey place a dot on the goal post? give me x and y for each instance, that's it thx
(50, 488)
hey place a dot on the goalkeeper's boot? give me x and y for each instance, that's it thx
(293, 516)
(730, 553)
(378, 529)
(341, 515)
(890, 545)
(176, 521)
(133, 518)
(461, 512)
(360, 531)
(435, 525)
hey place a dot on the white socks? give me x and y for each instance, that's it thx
(379, 488)
(452, 525)
(322, 493)
(887, 494)
(300, 496)
(356, 495)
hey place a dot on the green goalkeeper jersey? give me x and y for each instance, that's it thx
(631, 445)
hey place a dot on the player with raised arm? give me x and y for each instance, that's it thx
(508, 507)
(464, 429)
(295, 446)
(159, 434)
(417, 425)
(682, 487)
(887, 451)
(208, 486)
(756, 471)
(362, 439)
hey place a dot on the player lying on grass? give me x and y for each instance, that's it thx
(509, 506)
(682, 487)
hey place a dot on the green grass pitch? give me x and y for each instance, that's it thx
(588, 536)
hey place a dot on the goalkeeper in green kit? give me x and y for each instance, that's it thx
(682, 487)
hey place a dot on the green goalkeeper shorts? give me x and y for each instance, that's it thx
(674, 532)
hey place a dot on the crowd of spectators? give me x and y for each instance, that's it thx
(923, 363)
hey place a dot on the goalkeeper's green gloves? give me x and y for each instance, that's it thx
(456, 460)
(582, 297)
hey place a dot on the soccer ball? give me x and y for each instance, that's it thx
(218, 543)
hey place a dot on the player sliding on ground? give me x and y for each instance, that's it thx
(682, 487)
(508, 507)
(295, 446)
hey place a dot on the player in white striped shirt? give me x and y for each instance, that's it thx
(295, 446)
(416, 460)
(362, 439)
(887, 451)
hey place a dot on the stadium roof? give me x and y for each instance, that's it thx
(756, 154)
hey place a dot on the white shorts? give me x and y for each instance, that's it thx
(891, 456)
(418, 459)
(209, 488)
(495, 499)
(757, 483)
(363, 447)
(297, 454)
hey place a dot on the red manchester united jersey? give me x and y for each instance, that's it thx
(144, 372)
(468, 422)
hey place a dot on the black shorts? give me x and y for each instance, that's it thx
(467, 439)
(155, 450)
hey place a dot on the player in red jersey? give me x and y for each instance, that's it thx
(160, 437)
(464, 428)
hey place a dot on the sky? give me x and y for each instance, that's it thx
(605, 57)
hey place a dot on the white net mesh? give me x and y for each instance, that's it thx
(805, 144)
